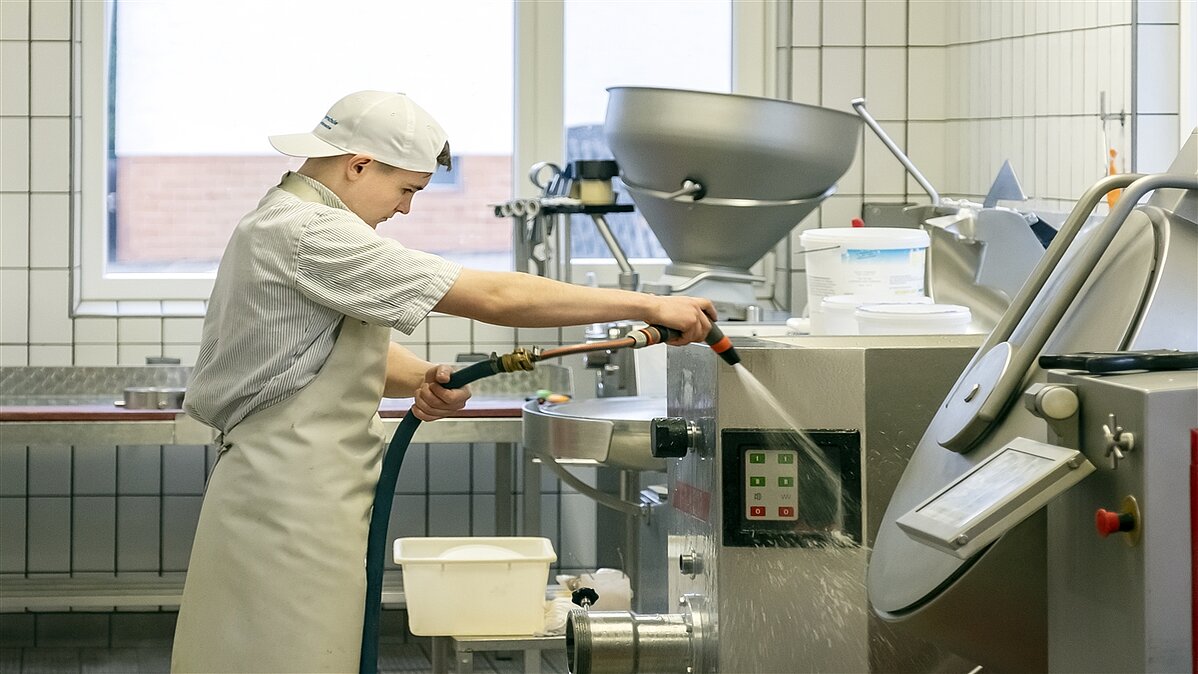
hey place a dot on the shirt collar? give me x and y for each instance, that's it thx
(297, 182)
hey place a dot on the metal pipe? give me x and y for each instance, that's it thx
(628, 277)
(859, 106)
(622, 642)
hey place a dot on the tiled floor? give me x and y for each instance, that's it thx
(392, 658)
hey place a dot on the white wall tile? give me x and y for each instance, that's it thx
(448, 329)
(1158, 11)
(95, 355)
(95, 331)
(139, 308)
(14, 230)
(50, 355)
(844, 23)
(806, 23)
(50, 20)
(14, 20)
(886, 82)
(94, 533)
(50, 518)
(50, 154)
(449, 515)
(136, 354)
(138, 526)
(50, 223)
(927, 148)
(1157, 66)
(926, 82)
(446, 353)
(14, 71)
(805, 75)
(886, 23)
(574, 334)
(419, 335)
(1157, 142)
(839, 211)
(50, 298)
(14, 355)
(139, 330)
(929, 22)
(14, 161)
(50, 78)
(186, 353)
(842, 78)
(883, 172)
(184, 308)
(485, 332)
(182, 330)
(538, 336)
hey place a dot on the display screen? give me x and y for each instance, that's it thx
(995, 480)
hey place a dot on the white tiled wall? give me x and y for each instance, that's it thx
(963, 86)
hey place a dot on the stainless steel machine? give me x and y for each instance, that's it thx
(1127, 283)
(722, 178)
(1120, 565)
(767, 551)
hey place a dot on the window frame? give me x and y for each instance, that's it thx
(539, 133)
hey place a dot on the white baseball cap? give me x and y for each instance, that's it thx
(387, 126)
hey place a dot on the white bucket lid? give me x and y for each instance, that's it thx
(938, 314)
(850, 302)
(871, 238)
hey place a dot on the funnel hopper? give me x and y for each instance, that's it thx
(763, 165)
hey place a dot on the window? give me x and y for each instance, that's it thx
(177, 99)
(658, 43)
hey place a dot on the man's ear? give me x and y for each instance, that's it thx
(356, 165)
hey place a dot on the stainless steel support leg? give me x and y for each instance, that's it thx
(505, 524)
(531, 498)
(442, 654)
(532, 662)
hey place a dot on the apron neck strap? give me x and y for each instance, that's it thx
(296, 185)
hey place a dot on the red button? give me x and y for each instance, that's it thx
(786, 511)
(756, 511)
(1107, 522)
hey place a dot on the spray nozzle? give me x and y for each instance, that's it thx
(722, 345)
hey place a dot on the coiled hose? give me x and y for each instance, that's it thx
(384, 495)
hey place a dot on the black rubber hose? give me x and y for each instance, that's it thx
(380, 514)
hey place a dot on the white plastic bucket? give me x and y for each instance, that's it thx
(863, 261)
(475, 586)
(838, 313)
(913, 319)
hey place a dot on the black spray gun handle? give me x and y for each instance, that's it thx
(715, 339)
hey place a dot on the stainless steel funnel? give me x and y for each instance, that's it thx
(721, 178)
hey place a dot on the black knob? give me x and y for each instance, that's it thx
(670, 437)
(584, 597)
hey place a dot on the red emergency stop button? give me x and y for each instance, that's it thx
(1109, 522)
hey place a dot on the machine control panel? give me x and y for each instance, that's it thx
(772, 488)
(785, 489)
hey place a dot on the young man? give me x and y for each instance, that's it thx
(294, 359)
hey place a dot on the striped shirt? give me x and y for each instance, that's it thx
(291, 271)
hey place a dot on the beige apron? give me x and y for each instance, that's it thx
(276, 581)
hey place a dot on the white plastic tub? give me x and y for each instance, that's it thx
(913, 319)
(863, 261)
(838, 313)
(475, 586)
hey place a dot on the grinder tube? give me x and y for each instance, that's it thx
(722, 345)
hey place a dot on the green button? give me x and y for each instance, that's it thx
(756, 481)
(786, 482)
(757, 457)
(786, 457)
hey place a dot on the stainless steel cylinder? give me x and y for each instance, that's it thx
(622, 642)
